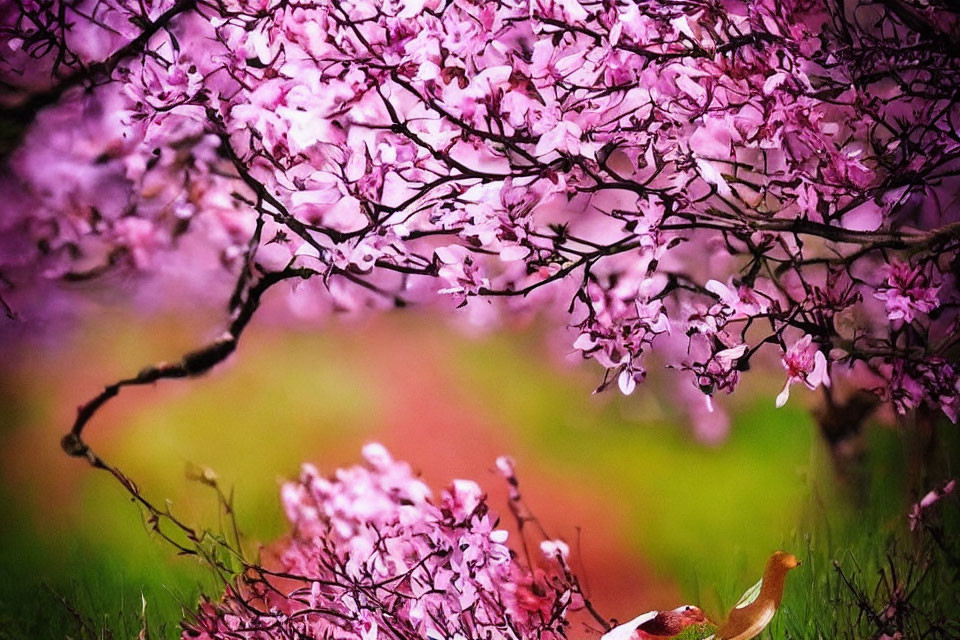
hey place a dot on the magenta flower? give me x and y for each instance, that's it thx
(934, 382)
(908, 291)
(805, 363)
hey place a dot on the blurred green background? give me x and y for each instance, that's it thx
(655, 517)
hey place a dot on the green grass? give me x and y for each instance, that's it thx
(51, 579)
(873, 547)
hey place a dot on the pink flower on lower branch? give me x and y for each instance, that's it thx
(804, 363)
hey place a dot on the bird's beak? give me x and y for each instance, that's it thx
(799, 562)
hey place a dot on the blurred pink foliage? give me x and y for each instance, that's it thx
(716, 181)
(372, 553)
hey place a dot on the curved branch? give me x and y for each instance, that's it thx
(194, 363)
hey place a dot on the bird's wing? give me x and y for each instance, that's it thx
(625, 630)
(750, 596)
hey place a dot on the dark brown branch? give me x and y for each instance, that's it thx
(191, 364)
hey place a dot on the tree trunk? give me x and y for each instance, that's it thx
(841, 424)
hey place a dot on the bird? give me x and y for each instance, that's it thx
(667, 624)
(657, 624)
(758, 605)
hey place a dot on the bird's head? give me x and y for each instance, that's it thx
(690, 614)
(784, 561)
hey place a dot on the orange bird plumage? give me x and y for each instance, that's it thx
(757, 607)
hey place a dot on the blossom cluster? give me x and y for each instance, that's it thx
(716, 181)
(373, 554)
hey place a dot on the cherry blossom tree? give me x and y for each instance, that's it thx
(716, 182)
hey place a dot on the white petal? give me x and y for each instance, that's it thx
(448, 255)
(615, 33)
(513, 253)
(548, 142)
(692, 88)
(713, 176)
(734, 353)
(718, 289)
(307, 249)
(410, 9)
(682, 26)
(773, 82)
(784, 395)
(627, 382)
(625, 630)
(584, 342)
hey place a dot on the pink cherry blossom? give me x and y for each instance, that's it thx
(908, 291)
(660, 178)
(372, 553)
(805, 363)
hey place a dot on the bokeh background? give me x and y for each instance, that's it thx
(655, 518)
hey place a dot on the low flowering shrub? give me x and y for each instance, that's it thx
(372, 553)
